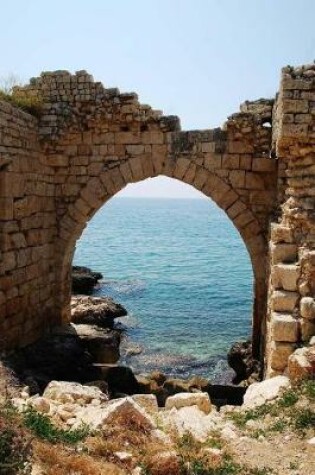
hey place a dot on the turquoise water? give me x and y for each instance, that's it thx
(184, 275)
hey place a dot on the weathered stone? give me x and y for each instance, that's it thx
(284, 301)
(259, 393)
(63, 392)
(59, 168)
(284, 327)
(283, 253)
(279, 354)
(307, 306)
(285, 276)
(201, 400)
(301, 364)
(307, 329)
(99, 311)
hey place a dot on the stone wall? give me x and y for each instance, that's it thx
(291, 318)
(89, 142)
(27, 230)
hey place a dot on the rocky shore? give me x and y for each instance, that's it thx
(87, 351)
(69, 388)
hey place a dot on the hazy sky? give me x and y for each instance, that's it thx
(198, 59)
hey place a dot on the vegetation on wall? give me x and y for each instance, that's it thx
(10, 92)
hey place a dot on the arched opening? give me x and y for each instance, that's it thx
(172, 257)
(99, 189)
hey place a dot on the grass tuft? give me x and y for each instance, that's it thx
(41, 426)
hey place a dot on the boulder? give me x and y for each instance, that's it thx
(101, 343)
(191, 420)
(201, 400)
(240, 359)
(60, 356)
(67, 392)
(99, 311)
(222, 394)
(84, 280)
(120, 379)
(258, 394)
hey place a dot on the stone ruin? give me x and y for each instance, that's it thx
(87, 142)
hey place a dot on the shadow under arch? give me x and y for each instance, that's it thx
(100, 189)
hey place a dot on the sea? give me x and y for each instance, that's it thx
(184, 275)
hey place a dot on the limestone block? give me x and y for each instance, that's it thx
(64, 392)
(237, 178)
(307, 329)
(279, 355)
(264, 165)
(301, 364)
(284, 327)
(190, 419)
(208, 147)
(307, 306)
(253, 181)
(281, 233)
(181, 167)
(283, 300)
(285, 276)
(283, 253)
(259, 393)
(236, 209)
(179, 400)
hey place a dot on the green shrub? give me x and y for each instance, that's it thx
(32, 105)
(304, 419)
(42, 427)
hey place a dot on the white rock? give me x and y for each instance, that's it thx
(259, 393)
(123, 456)
(190, 419)
(311, 441)
(64, 391)
(114, 413)
(19, 403)
(201, 400)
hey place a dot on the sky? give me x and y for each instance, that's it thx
(198, 59)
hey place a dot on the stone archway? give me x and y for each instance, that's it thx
(98, 190)
(89, 143)
(82, 142)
